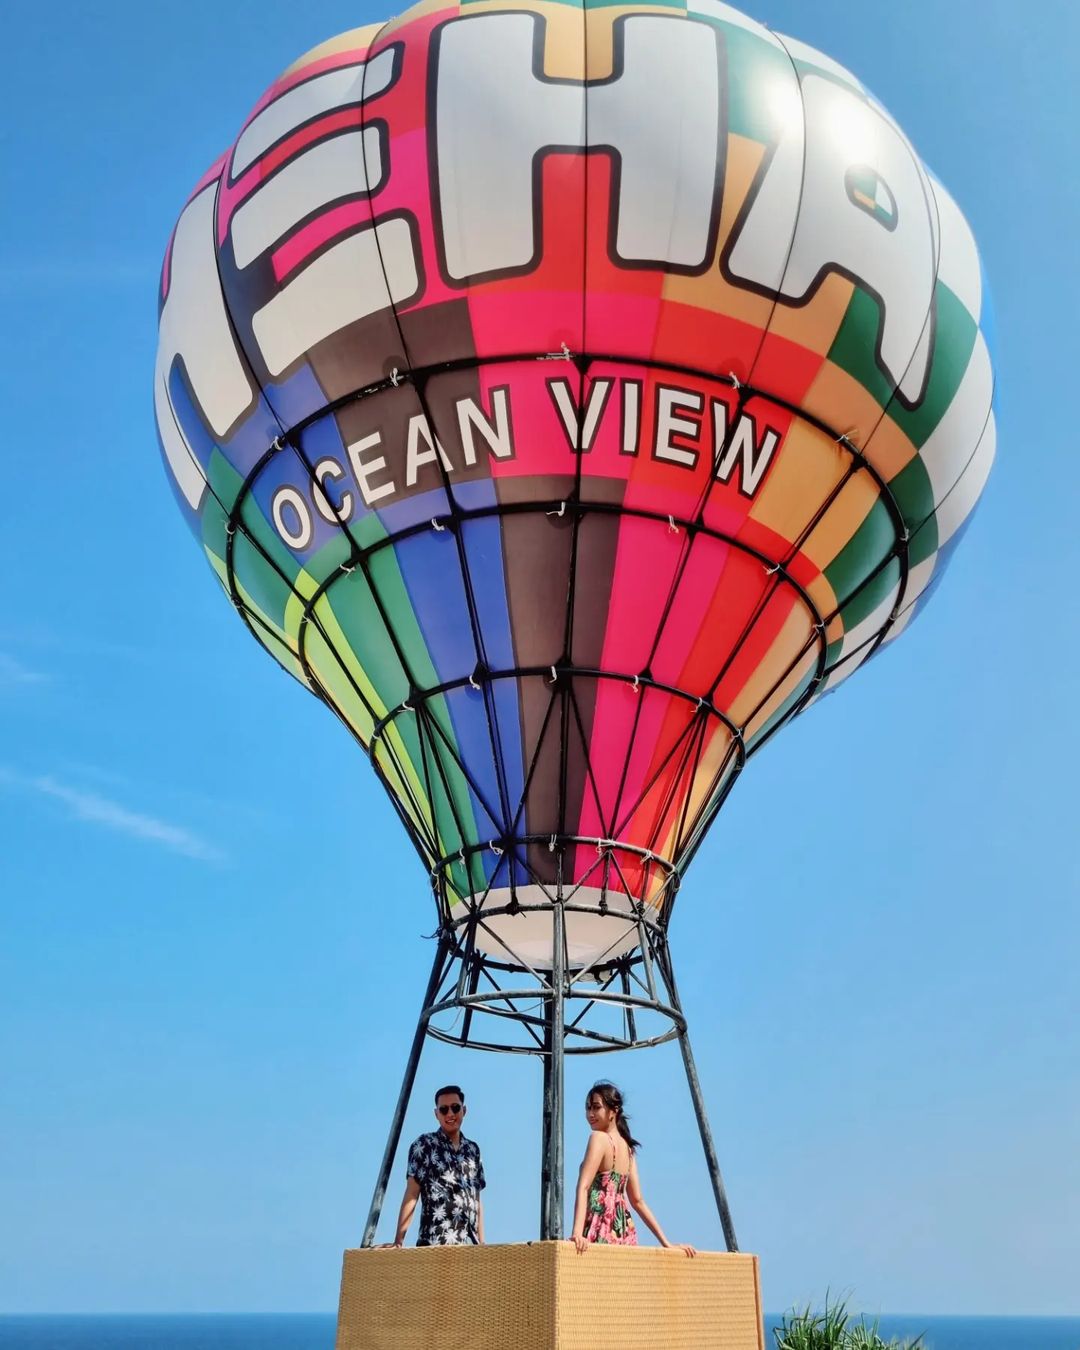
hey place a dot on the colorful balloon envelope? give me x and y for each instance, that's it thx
(569, 396)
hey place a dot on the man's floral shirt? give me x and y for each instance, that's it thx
(450, 1183)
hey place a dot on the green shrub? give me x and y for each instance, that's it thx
(833, 1329)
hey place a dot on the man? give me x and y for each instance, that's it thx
(446, 1175)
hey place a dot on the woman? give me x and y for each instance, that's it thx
(609, 1177)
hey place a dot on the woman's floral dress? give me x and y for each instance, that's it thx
(608, 1217)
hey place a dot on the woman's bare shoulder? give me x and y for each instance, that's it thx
(594, 1148)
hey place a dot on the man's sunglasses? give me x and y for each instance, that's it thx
(453, 1108)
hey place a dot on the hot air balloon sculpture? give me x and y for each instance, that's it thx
(569, 396)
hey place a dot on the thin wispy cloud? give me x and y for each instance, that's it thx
(14, 674)
(171, 793)
(94, 809)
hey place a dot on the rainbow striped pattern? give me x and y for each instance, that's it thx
(568, 394)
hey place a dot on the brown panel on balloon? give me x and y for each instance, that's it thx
(537, 550)
(358, 355)
(438, 333)
(537, 553)
(594, 568)
(542, 714)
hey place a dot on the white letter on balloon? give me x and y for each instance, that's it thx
(372, 267)
(195, 329)
(659, 115)
(847, 195)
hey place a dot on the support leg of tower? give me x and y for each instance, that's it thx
(711, 1160)
(551, 1163)
(438, 970)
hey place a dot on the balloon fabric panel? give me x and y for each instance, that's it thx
(568, 395)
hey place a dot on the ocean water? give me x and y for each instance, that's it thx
(315, 1331)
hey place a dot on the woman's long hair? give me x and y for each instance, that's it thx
(612, 1098)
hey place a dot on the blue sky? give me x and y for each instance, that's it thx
(211, 927)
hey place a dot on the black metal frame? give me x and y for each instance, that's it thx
(472, 984)
(635, 983)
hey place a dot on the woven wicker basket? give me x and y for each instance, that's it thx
(543, 1296)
